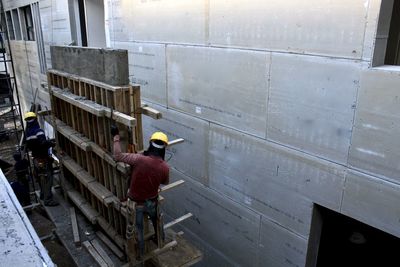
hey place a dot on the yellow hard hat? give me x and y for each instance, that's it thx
(29, 115)
(159, 136)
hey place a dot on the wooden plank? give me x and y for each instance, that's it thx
(171, 185)
(96, 256)
(75, 230)
(151, 112)
(102, 253)
(110, 245)
(177, 220)
(176, 141)
(155, 253)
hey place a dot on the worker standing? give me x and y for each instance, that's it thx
(149, 170)
(39, 145)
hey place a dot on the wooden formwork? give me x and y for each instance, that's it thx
(83, 111)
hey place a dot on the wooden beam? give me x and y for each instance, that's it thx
(102, 253)
(110, 245)
(74, 223)
(171, 185)
(155, 253)
(96, 256)
(151, 112)
(176, 141)
(178, 220)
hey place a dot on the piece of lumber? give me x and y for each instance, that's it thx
(74, 223)
(110, 245)
(96, 256)
(171, 185)
(103, 254)
(176, 141)
(32, 206)
(155, 252)
(151, 112)
(177, 220)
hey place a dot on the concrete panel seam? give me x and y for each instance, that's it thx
(166, 76)
(357, 59)
(281, 226)
(269, 93)
(343, 189)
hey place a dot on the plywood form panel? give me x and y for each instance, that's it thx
(189, 157)
(227, 226)
(222, 85)
(372, 201)
(334, 28)
(375, 143)
(312, 102)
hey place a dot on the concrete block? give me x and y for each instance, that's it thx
(375, 145)
(225, 225)
(189, 157)
(313, 110)
(226, 86)
(104, 65)
(169, 21)
(278, 182)
(372, 201)
(147, 67)
(307, 26)
(280, 247)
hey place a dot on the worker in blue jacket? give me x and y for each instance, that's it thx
(39, 145)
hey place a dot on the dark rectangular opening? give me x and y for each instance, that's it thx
(82, 19)
(393, 46)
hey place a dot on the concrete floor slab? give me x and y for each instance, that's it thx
(181, 21)
(280, 247)
(226, 225)
(375, 144)
(313, 110)
(229, 87)
(308, 26)
(372, 201)
(19, 243)
(189, 157)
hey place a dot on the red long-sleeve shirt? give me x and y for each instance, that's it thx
(148, 172)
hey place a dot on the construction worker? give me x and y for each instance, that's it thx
(149, 170)
(37, 142)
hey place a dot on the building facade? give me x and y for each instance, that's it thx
(286, 108)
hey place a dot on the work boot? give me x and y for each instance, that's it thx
(51, 203)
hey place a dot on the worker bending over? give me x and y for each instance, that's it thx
(37, 142)
(149, 170)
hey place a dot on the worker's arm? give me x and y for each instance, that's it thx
(128, 158)
(166, 180)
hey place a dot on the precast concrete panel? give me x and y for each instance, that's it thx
(227, 86)
(277, 182)
(373, 201)
(224, 224)
(370, 29)
(375, 145)
(280, 247)
(324, 27)
(175, 21)
(189, 157)
(149, 70)
(311, 104)
(121, 20)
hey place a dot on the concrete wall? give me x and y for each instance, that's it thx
(55, 23)
(280, 109)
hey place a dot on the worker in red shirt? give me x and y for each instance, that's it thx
(149, 170)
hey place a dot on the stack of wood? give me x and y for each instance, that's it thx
(83, 111)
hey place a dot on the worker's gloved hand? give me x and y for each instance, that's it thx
(114, 130)
(52, 142)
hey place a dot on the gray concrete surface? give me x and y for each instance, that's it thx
(19, 243)
(281, 109)
(105, 65)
